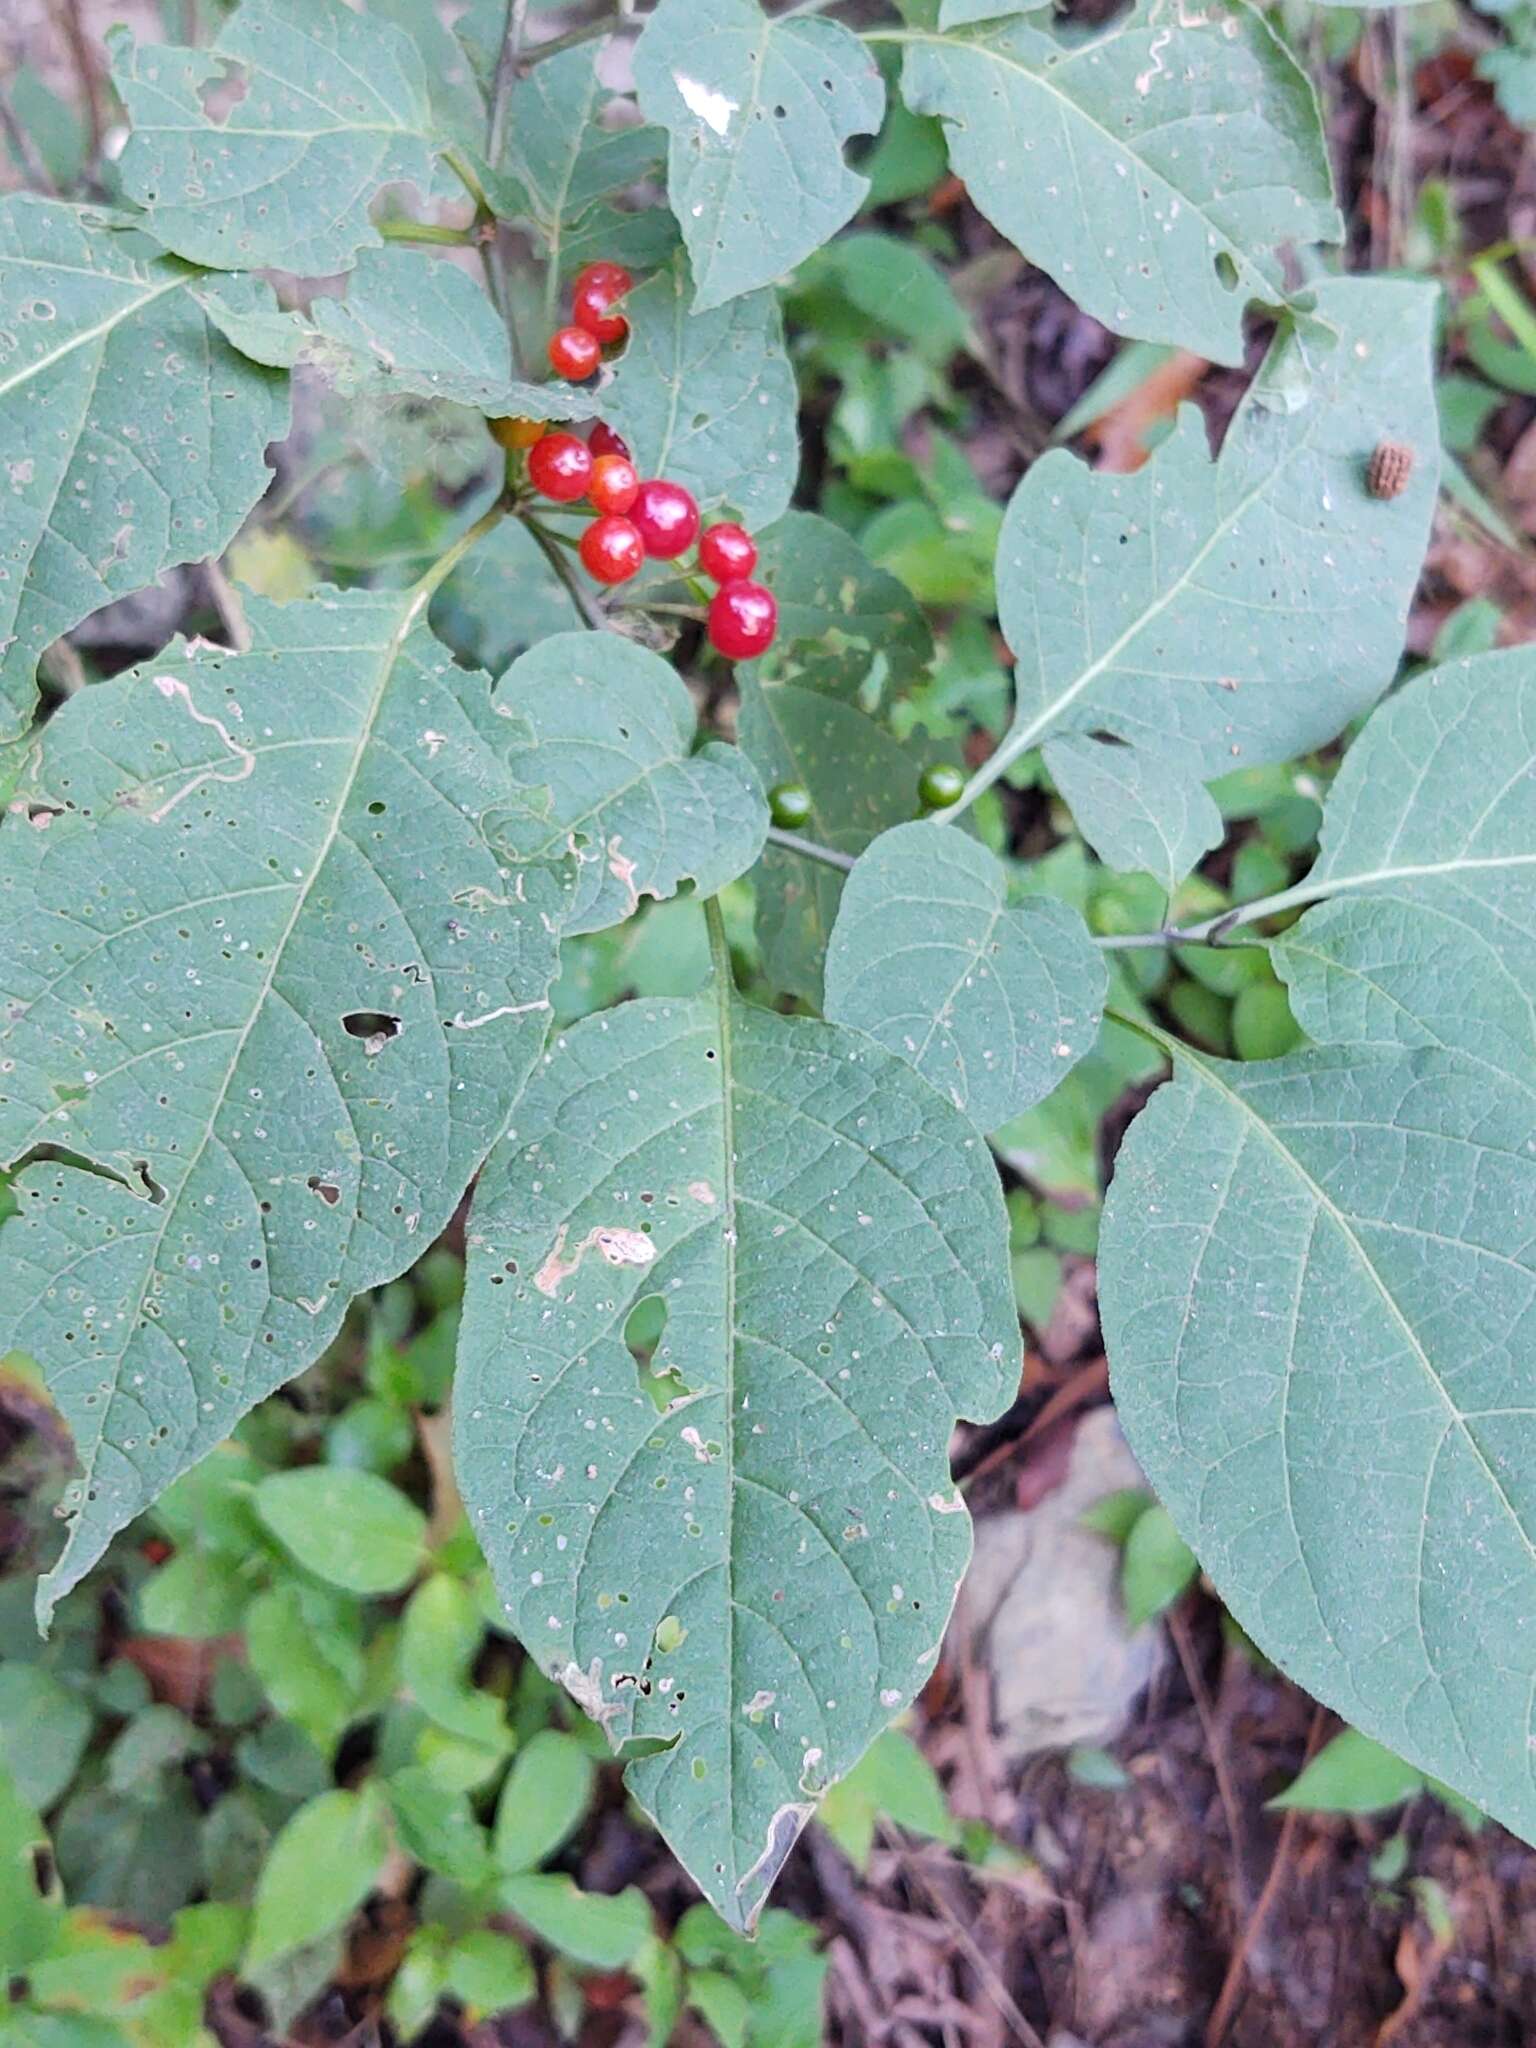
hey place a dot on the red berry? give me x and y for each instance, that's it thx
(727, 553)
(743, 618)
(604, 441)
(574, 354)
(561, 467)
(668, 518)
(611, 549)
(615, 484)
(596, 290)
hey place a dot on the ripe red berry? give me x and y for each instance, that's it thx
(743, 618)
(604, 441)
(615, 483)
(596, 290)
(611, 549)
(574, 354)
(727, 553)
(561, 467)
(668, 518)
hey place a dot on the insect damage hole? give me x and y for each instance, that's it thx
(374, 1027)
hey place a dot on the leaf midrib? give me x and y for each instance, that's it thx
(86, 335)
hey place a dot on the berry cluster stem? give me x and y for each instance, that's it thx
(549, 546)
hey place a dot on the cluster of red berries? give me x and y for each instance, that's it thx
(638, 519)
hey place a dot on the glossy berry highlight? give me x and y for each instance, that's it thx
(940, 786)
(561, 467)
(727, 553)
(574, 354)
(789, 805)
(615, 484)
(668, 518)
(598, 288)
(743, 618)
(611, 549)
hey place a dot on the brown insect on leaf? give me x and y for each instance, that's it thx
(1390, 467)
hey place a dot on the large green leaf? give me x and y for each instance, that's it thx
(1241, 611)
(1138, 807)
(758, 112)
(410, 323)
(757, 1577)
(334, 108)
(134, 436)
(271, 991)
(604, 751)
(560, 159)
(1429, 850)
(1152, 167)
(994, 1004)
(1318, 1281)
(843, 623)
(708, 397)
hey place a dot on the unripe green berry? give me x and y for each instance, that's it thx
(790, 805)
(940, 786)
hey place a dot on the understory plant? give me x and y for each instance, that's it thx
(290, 920)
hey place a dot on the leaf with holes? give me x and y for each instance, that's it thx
(1318, 1281)
(279, 173)
(1239, 611)
(135, 436)
(993, 1003)
(708, 398)
(1429, 859)
(1153, 167)
(271, 993)
(410, 323)
(758, 113)
(744, 1584)
(602, 736)
(845, 626)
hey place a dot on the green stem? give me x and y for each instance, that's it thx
(574, 37)
(446, 563)
(423, 231)
(581, 598)
(506, 78)
(809, 849)
(1213, 931)
(464, 171)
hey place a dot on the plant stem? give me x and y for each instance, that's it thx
(719, 949)
(581, 598)
(810, 850)
(573, 37)
(506, 78)
(1212, 931)
(464, 171)
(447, 562)
(424, 231)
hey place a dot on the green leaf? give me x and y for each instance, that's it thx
(842, 621)
(560, 159)
(893, 1780)
(708, 398)
(439, 1642)
(309, 1680)
(268, 978)
(1137, 807)
(862, 782)
(1235, 612)
(501, 600)
(438, 1827)
(603, 733)
(1351, 1774)
(31, 1906)
(410, 323)
(896, 285)
(593, 1928)
(1152, 169)
(1429, 850)
(44, 1728)
(757, 1579)
(350, 1528)
(758, 112)
(134, 435)
(335, 107)
(992, 1003)
(1316, 1282)
(321, 1868)
(489, 1972)
(1156, 1566)
(194, 1596)
(543, 1800)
